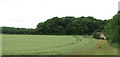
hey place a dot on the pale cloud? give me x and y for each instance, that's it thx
(28, 13)
(119, 5)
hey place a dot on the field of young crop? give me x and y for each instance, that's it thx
(48, 45)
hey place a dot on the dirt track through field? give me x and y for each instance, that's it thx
(100, 48)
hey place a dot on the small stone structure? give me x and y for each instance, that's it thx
(102, 35)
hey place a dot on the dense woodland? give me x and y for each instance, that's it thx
(62, 26)
(70, 25)
(112, 29)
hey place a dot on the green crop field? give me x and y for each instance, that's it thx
(52, 45)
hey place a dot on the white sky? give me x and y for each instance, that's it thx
(28, 13)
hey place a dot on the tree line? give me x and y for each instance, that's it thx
(68, 25)
(13, 30)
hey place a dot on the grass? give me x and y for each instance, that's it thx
(55, 45)
(0, 45)
(101, 48)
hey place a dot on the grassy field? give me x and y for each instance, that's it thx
(55, 45)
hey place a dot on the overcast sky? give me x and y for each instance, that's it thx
(28, 13)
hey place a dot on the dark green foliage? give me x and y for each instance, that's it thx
(70, 25)
(12, 30)
(54, 26)
(113, 29)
